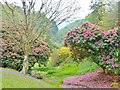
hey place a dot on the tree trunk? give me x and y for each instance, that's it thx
(104, 71)
(25, 65)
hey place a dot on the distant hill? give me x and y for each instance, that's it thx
(59, 38)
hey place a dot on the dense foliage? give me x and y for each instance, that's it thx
(104, 14)
(104, 45)
(12, 55)
(60, 56)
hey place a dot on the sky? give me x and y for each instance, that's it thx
(84, 11)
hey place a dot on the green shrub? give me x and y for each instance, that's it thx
(60, 56)
(43, 70)
(51, 71)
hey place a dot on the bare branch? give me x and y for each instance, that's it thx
(36, 23)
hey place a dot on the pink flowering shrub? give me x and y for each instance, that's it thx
(41, 53)
(11, 55)
(103, 45)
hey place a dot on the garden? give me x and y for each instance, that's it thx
(36, 53)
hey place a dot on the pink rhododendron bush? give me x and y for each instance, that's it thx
(102, 46)
(11, 53)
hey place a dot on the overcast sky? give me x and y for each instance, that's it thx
(83, 12)
(84, 4)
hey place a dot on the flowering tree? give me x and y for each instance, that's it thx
(104, 45)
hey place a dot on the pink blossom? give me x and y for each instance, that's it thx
(93, 34)
(78, 41)
(116, 44)
(112, 41)
(37, 49)
(113, 65)
(86, 23)
(106, 33)
(93, 25)
(96, 43)
(114, 31)
(83, 34)
(77, 27)
(109, 39)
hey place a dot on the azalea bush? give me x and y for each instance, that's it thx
(12, 55)
(103, 46)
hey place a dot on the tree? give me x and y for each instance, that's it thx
(110, 16)
(105, 11)
(32, 19)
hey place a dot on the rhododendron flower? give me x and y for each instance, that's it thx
(114, 31)
(106, 33)
(96, 43)
(77, 27)
(37, 49)
(118, 32)
(109, 39)
(83, 34)
(86, 23)
(64, 38)
(93, 34)
(116, 44)
(113, 65)
(78, 41)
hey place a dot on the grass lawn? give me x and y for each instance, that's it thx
(53, 78)
(57, 76)
(14, 81)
